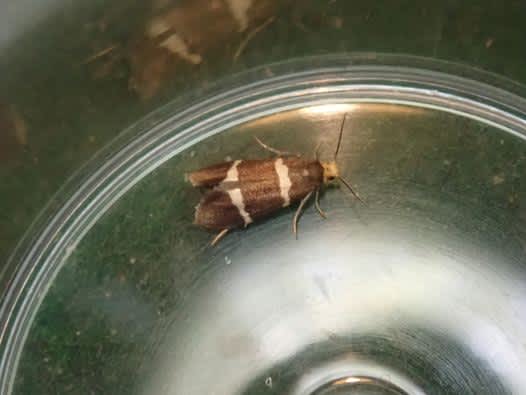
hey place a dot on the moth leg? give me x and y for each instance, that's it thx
(273, 150)
(298, 213)
(317, 204)
(218, 237)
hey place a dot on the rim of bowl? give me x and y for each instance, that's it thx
(351, 78)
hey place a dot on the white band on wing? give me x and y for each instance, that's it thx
(284, 180)
(235, 194)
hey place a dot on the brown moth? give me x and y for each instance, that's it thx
(240, 192)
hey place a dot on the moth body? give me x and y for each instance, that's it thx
(238, 193)
(241, 192)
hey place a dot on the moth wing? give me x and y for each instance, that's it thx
(216, 211)
(257, 192)
(305, 176)
(262, 198)
(248, 171)
(209, 176)
(262, 189)
(228, 185)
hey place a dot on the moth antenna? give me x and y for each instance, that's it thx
(348, 185)
(273, 150)
(340, 137)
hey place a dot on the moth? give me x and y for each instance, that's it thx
(240, 192)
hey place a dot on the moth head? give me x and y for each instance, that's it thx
(330, 171)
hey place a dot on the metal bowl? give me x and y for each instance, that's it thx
(422, 290)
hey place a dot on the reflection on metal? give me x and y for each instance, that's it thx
(351, 380)
(329, 109)
(403, 295)
(423, 289)
(382, 283)
(359, 385)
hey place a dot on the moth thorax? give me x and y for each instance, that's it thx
(330, 171)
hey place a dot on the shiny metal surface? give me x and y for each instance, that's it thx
(421, 291)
